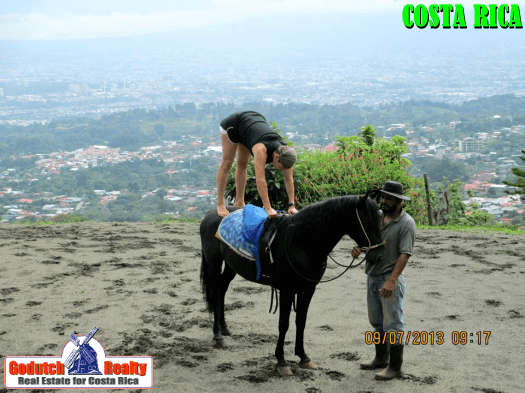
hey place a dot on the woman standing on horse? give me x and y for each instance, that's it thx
(248, 133)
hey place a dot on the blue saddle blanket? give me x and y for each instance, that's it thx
(241, 231)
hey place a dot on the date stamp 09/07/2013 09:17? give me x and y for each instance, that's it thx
(427, 338)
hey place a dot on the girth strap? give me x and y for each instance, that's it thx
(268, 248)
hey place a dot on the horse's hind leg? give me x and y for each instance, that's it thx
(286, 300)
(303, 303)
(226, 278)
(214, 267)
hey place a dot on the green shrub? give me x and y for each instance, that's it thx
(354, 168)
(477, 218)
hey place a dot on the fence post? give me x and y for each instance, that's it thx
(429, 206)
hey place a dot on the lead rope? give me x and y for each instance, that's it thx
(362, 227)
(276, 300)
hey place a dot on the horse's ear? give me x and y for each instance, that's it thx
(374, 194)
(370, 194)
(362, 199)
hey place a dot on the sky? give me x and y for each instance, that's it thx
(78, 19)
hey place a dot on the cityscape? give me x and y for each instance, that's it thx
(93, 86)
(57, 82)
(488, 190)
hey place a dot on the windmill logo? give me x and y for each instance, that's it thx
(83, 364)
(83, 359)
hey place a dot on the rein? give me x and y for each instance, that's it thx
(365, 249)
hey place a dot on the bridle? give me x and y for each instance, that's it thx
(365, 249)
(370, 247)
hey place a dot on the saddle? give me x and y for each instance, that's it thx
(250, 233)
(241, 231)
(271, 267)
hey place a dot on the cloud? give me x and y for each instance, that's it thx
(42, 26)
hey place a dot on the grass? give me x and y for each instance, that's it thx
(172, 220)
(506, 229)
(59, 219)
(80, 219)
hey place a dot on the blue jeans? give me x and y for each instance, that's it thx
(385, 314)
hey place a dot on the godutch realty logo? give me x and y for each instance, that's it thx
(82, 364)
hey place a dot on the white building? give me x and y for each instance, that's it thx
(470, 144)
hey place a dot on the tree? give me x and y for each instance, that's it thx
(518, 220)
(445, 167)
(520, 181)
(368, 134)
(161, 193)
(159, 129)
(447, 202)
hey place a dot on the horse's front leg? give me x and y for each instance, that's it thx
(303, 303)
(286, 300)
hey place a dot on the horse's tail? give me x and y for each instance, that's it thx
(205, 284)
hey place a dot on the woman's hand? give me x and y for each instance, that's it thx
(271, 213)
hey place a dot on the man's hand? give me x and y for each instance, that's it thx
(356, 252)
(271, 213)
(292, 210)
(388, 288)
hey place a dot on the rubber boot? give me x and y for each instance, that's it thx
(381, 359)
(394, 368)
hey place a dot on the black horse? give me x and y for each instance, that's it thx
(300, 248)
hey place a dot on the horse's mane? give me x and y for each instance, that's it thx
(317, 212)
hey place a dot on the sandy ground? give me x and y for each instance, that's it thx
(139, 283)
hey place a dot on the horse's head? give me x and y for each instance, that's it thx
(367, 233)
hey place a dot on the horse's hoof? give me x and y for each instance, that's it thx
(308, 365)
(219, 344)
(283, 371)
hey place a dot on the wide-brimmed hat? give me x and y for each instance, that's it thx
(287, 156)
(395, 189)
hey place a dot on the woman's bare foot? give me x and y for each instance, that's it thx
(240, 205)
(222, 211)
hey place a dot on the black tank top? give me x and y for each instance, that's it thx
(249, 128)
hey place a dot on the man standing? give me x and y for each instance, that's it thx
(386, 281)
(248, 134)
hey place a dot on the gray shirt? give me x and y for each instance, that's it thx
(399, 235)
